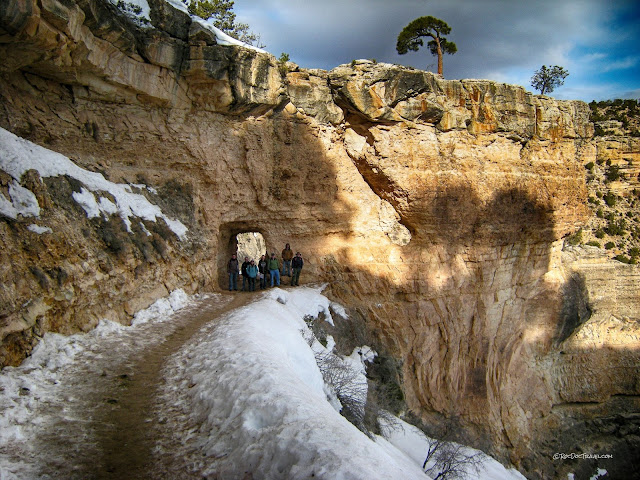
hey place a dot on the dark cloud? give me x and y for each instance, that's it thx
(503, 40)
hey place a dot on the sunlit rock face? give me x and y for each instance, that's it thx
(434, 208)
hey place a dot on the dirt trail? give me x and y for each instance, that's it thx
(127, 450)
(105, 429)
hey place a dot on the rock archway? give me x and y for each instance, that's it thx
(241, 238)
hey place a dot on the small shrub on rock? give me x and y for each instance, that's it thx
(610, 199)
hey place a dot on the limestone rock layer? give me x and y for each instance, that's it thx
(435, 208)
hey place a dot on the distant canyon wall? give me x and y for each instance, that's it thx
(434, 208)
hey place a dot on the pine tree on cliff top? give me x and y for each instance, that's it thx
(410, 38)
(548, 78)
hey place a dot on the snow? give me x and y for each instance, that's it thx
(339, 310)
(245, 394)
(253, 385)
(87, 201)
(38, 395)
(177, 4)
(409, 439)
(23, 202)
(600, 472)
(18, 155)
(221, 37)
(174, 302)
(35, 228)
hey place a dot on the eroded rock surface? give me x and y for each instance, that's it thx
(435, 208)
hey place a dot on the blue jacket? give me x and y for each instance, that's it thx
(252, 271)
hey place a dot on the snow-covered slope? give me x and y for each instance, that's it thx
(18, 155)
(221, 37)
(253, 385)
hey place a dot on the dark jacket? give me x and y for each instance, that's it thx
(297, 262)
(232, 266)
(244, 268)
(262, 266)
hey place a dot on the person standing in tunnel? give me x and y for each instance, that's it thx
(274, 269)
(245, 278)
(263, 269)
(287, 255)
(232, 270)
(252, 273)
(297, 264)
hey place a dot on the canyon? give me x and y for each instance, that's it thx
(434, 209)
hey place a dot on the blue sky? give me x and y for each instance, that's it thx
(597, 41)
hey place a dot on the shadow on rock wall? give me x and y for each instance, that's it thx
(576, 308)
(511, 216)
(454, 311)
(283, 187)
(472, 318)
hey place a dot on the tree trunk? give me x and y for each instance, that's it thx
(439, 57)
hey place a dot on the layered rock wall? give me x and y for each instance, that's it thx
(434, 208)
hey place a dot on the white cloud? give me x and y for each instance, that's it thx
(594, 57)
(622, 64)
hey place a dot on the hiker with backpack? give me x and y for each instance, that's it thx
(245, 278)
(287, 255)
(252, 273)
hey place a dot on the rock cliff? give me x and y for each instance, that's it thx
(436, 209)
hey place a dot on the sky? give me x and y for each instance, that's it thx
(503, 40)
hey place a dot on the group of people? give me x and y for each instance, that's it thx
(266, 269)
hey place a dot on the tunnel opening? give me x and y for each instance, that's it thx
(251, 245)
(241, 239)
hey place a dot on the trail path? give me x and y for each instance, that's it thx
(102, 425)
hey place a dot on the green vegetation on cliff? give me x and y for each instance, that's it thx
(614, 181)
(625, 112)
